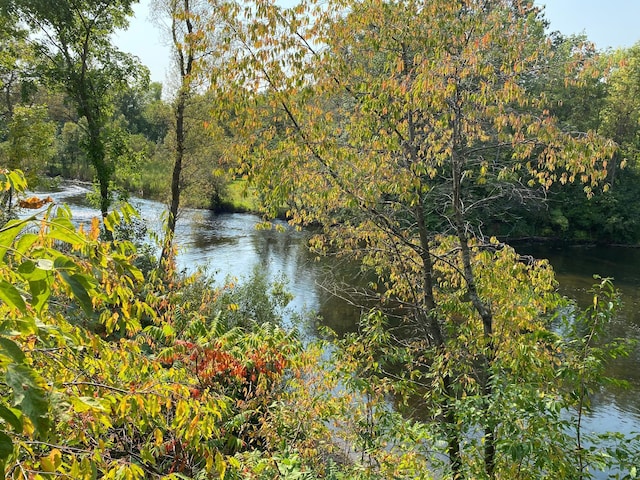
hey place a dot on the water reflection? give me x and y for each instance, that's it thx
(232, 246)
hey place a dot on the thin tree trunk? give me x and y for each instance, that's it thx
(483, 310)
(103, 172)
(437, 337)
(186, 56)
(167, 247)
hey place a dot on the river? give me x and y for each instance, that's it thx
(230, 245)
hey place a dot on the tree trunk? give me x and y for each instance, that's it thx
(185, 52)
(483, 310)
(96, 153)
(437, 338)
(167, 247)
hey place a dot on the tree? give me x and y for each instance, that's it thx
(16, 63)
(31, 141)
(73, 40)
(603, 102)
(189, 45)
(403, 120)
(145, 111)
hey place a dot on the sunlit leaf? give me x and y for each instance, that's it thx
(8, 234)
(11, 349)
(11, 296)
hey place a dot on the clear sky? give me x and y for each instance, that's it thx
(607, 23)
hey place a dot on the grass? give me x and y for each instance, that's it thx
(239, 197)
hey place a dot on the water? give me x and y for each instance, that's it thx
(231, 246)
(574, 268)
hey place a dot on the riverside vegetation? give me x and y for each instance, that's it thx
(406, 135)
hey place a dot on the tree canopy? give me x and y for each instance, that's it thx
(72, 42)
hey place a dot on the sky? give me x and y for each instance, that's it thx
(607, 23)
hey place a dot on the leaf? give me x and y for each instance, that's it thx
(62, 229)
(40, 293)
(11, 418)
(39, 282)
(8, 234)
(25, 241)
(11, 296)
(128, 212)
(78, 290)
(17, 180)
(26, 325)
(12, 350)
(111, 221)
(30, 271)
(34, 203)
(65, 263)
(29, 396)
(84, 404)
(51, 462)
(6, 446)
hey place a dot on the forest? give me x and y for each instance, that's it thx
(415, 140)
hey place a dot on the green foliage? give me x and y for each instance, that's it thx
(11, 182)
(30, 141)
(409, 128)
(605, 101)
(145, 112)
(608, 217)
(71, 160)
(543, 378)
(76, 57)
(107, 374)
(588, 349)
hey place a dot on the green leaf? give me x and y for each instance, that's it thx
(29, 396)
(111, 221)
(17, 180)
(25, 242)
(84, 404)
(128, 212)
(11, 296)
(62, 229)
(76, 284)
(26, 325)
(40, 293)
(8, 234)
(64, 263)
(6, 446)
(11, 418)
(27, 268)
(12, 350)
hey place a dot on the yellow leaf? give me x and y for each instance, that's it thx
(158, 437)
(221, 465)
(51, 462)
